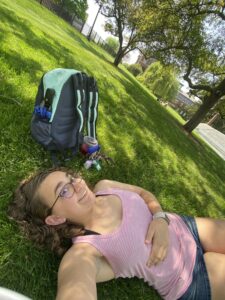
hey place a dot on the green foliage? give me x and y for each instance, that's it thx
(220, 125)
(221, 108)
(147, 144)
(77, 7)
(190, 110)
(135, 69)
(112, 43)
(121, 22)
(126, 65)
(190, 35)
(161, 80)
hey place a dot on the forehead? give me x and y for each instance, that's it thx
(54, 176)
(51, 182)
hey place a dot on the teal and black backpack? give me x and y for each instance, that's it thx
(66, 107)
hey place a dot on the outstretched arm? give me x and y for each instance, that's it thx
(77, 274)
(158, 233)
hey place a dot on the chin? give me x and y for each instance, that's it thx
(91, 195)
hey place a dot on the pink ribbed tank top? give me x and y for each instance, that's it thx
(127, 253)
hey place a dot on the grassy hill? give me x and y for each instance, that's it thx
(147, 144)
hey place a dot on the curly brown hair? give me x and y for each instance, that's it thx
(30, 212)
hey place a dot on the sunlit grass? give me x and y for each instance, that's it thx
(146, 142)
(175, 115)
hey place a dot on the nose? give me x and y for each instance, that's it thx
(77, 184)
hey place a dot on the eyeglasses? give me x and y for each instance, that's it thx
(67, 190)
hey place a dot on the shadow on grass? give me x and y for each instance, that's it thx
(169, 133)
(17, 266)
(22, 265)
(87, 45)
(160, 124)
(46, 44)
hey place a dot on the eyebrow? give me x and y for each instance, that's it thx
(58, 185)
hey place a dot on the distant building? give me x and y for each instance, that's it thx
(183, 104)
(185, 99)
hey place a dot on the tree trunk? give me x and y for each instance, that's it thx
(208, 103)
(118, 58)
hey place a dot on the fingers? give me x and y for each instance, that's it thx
(158, 236)
(156, 257)
(149, 236)
(155, 225)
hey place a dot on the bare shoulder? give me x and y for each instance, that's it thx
(106, 184)
(102, 185)
(78, 253)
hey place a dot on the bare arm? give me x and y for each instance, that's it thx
(77, 274)
(158, 233)
(147, 196)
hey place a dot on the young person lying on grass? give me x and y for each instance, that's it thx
(119, 230)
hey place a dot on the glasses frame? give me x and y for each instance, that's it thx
(73, 180)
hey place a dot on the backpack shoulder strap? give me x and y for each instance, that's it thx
(79, 93)
(92, 106)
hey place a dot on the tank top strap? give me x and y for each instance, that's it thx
(109, 191)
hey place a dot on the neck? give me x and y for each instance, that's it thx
(96, 214)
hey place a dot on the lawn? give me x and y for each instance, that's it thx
(146, 142)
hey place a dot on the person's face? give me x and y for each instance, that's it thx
(69, 198)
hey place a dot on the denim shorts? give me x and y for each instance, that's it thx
(199, 288)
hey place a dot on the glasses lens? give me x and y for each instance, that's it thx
(67, 191)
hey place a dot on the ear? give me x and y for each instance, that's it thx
(54, 220)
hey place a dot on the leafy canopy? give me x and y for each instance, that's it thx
(161, 80)
(77, 7)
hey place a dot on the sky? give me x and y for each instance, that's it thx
(99, 26)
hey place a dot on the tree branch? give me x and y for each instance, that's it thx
(191, 85)
(220, 88)
(208, 11)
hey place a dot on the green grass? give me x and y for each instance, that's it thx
(175, 115)
(147, 144)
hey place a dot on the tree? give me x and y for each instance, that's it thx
(121, 23)
(135, 69)
(161, 80)
(79, 8)
(219, 122)
(112, 43)
(186, 33)
(190, 35)
(216, 117)
(74, 7)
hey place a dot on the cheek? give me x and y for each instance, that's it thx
(66, 207)
(71, 204)
(91, 195)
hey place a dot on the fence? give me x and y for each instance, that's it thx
(80, 25)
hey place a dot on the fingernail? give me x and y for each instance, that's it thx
(147, 242)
